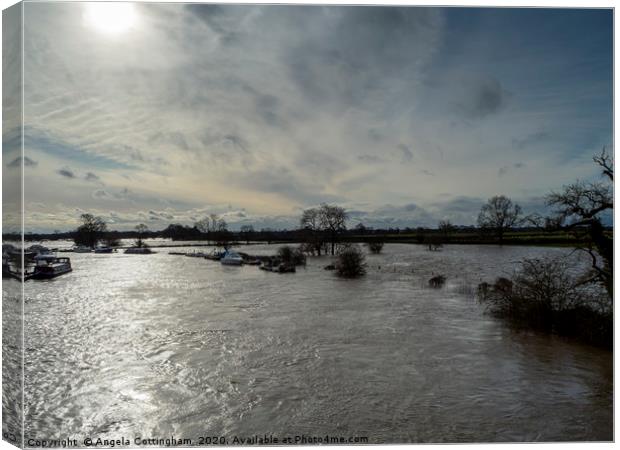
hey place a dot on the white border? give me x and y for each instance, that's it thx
(480, 3)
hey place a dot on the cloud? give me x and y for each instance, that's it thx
(407, 154)
(103, 194)
(18, 161)
(505, 169)
(338, 106)
(92, 177)
(281, 181)
(480, 97)
(66, 172)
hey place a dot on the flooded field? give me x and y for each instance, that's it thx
(160, 345)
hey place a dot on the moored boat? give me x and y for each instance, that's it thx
(104, 250)
(231, 258)
(50, 266)
(82, 249)
(138, 251)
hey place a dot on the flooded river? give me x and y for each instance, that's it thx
(155, 346)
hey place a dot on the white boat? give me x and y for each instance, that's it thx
(82, 249)
(231, 258)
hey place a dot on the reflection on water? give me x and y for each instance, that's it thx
(12, 334)
(160, 345)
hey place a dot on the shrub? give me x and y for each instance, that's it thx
(351, 262)
(545, 294)
(375, 246)
(291, 256)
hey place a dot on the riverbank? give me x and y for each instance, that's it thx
(461, 236)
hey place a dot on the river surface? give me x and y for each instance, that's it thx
(160, 345)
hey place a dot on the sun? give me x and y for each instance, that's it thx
(110, 17)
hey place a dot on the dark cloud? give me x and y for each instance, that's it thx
(267, 108)
(107, 195)
(46, 142)
(530, 139)
(370, 159)
(407, 154)
(222, 20)
(66, 172)
(375, 135)
(18, 161)
(505, 169)
(347, 53)
(226, 147)
(92, 177)
(481, 97)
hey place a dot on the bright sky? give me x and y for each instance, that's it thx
(162, 113)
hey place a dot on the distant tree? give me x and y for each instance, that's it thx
(360, 228)
(141, 229)
(177, 231)
(578, 208)
(211, 225)
(498, 215)
(247, 231)
(223, 238)
(434, 243)
(311, 225)
(446, 227)
(333, 220)
(91, 231)
(111, 240)
(420, 235)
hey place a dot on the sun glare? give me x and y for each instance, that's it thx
(110, 18)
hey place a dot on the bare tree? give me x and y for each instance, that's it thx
(91, 231)
(499, 214)
(247, 231)
(333, 220)
(311, 224)
(211, 225)
(578, 208)
(446, 228)
(141, 229)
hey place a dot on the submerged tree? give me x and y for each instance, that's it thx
(313, 235)
(91, 231)
(333, 220)
(141, 229)
(498, 215)
(321, 225)
(578, 208)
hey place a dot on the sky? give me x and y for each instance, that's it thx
(164, 113)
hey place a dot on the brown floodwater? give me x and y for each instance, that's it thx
(155, 346)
